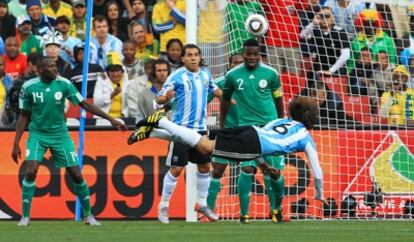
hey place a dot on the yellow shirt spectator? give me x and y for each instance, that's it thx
(115, 110)
(211, 21)
(169, 22)
(64, 9)
(400, 106)
(2, 95)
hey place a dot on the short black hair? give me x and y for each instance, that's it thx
(233, 55)
(143, 2)
(382, 52)
(251, 43)
(172, 41)
(130, 41)
(364, 49)
(160, 62)
(42, 60)
(190, 46)
(33, 58)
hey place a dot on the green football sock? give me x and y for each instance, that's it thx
(279, 191)
(244, 185)
(82, 191)
(269, 191)
(213, 190)
(28, 190)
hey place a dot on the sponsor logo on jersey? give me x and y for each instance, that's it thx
(262, 83)
(58, 96)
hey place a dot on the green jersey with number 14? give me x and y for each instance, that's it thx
(46, 103)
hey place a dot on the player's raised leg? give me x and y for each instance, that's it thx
(176, 133)
(152, 120)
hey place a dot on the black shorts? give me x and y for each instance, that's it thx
(180, 154)
(237, 144)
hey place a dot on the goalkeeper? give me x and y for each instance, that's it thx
(278, 137)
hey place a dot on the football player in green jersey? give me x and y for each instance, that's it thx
(42, 103)
(259, 101)
(220, 164)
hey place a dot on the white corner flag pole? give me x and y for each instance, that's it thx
(84, 89)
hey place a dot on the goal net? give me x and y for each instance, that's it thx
(355, 58)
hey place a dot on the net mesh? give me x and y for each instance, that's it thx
(363, 137)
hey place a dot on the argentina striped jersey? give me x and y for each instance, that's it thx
(189, 106)
(285, 136)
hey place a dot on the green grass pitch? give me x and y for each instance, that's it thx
(257, 231)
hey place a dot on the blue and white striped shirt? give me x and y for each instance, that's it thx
(190, 101)
(285, 136)
(99, 52)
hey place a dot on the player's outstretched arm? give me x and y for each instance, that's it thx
(162, 99)
(98, 112)
(20, 126)
(317, 172)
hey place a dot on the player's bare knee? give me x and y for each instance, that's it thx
(249, 169)
(31, 170)
(202, 149)
(30, 175)
(218, 170)
(75, 174)
(176, 170)
(217, 174)
(205, 145)
(203, 168)
(275, 175)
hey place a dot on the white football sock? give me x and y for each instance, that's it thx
(161, 134)
(167, 189)
(179, 133)
(203, 183)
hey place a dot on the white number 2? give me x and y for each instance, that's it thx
(240, 82)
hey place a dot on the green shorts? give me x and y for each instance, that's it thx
(220, 160)
(62, 148)
(277, 162)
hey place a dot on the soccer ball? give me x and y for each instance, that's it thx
(256, 24)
